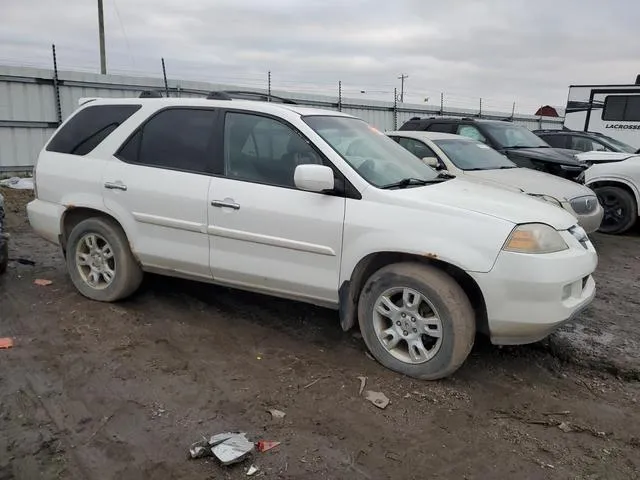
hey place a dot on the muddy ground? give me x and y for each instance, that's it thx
(98, 391)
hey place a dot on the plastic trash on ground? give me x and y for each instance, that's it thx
(17, 183)
(228, 448)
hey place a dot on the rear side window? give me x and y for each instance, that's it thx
(556, 141)
(90, 126)
(442, 127)
(176, 138)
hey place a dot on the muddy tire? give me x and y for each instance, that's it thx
(416, 320)
(100, 261)
(4, 254)
(620, 209)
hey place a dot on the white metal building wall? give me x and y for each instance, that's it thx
(29, 110)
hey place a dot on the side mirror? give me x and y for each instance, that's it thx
(433, 162)
(313, 178)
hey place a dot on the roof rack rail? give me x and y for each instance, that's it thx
(414, 118)
(265, 97)
(150, 94)
(218, 96)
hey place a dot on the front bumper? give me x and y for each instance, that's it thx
(529, 296)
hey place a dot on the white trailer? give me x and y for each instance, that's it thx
(613, 110)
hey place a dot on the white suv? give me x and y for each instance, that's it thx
(310, 205)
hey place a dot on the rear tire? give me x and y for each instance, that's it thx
(100, 261)
(416, 320)
(620, 209)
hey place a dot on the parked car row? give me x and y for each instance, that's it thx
(316, 206)
(613, 176)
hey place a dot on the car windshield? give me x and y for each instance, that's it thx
(508, 135)
(376, 158)
(617, 145)
(472, 155)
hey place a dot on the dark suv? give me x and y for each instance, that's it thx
(584, 141)
(522, 146)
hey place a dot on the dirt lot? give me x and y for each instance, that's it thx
(98, 391)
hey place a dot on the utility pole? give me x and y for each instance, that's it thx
(402, 79)
(103, 57)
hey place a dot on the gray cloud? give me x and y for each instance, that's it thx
(501, 50)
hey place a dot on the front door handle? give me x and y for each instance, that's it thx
(225, 204)
(115, 186)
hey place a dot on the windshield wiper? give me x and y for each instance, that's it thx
(504, 167)
(406, 182)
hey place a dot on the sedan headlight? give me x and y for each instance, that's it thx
(585, 205)
(535, 238)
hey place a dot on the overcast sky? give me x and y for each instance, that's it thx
(502, 50)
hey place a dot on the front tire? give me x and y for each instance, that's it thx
(100, 261)
(620, 209)
(416, 320)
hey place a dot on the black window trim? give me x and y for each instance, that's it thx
(346, 190)
(84, 109)
(209, 163)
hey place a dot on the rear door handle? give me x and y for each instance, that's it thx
(115, 186)
(225, 204)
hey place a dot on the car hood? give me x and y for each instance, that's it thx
(604, 157)
(483, 199)
(551, 155)
(531, 181)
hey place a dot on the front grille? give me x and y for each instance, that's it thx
(585, 205)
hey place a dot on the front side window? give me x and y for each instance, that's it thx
(264, 150)
(471, 132)
(90, 126)
(176, 138)
(418, 148)
(374, 156)
(617, 145)
(473, 155)
(585, 144)
(621, 108)
(508, 135)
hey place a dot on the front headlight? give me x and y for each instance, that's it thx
(535, 238)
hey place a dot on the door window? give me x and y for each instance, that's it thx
(556, 141)
(584, 144)
(264, 150)
(442, 127)
(176, 138)
(418, 148)
(471, 132)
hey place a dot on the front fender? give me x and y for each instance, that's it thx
(460, 252)
(615, 178)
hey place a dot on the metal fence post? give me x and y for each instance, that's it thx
(395, 108)
(269, 86)
(56, 85)
(441, 104)
(340, 96)
(164, 75)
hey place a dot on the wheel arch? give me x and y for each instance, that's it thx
(350, 290)
(73, 215)
(616, 182)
